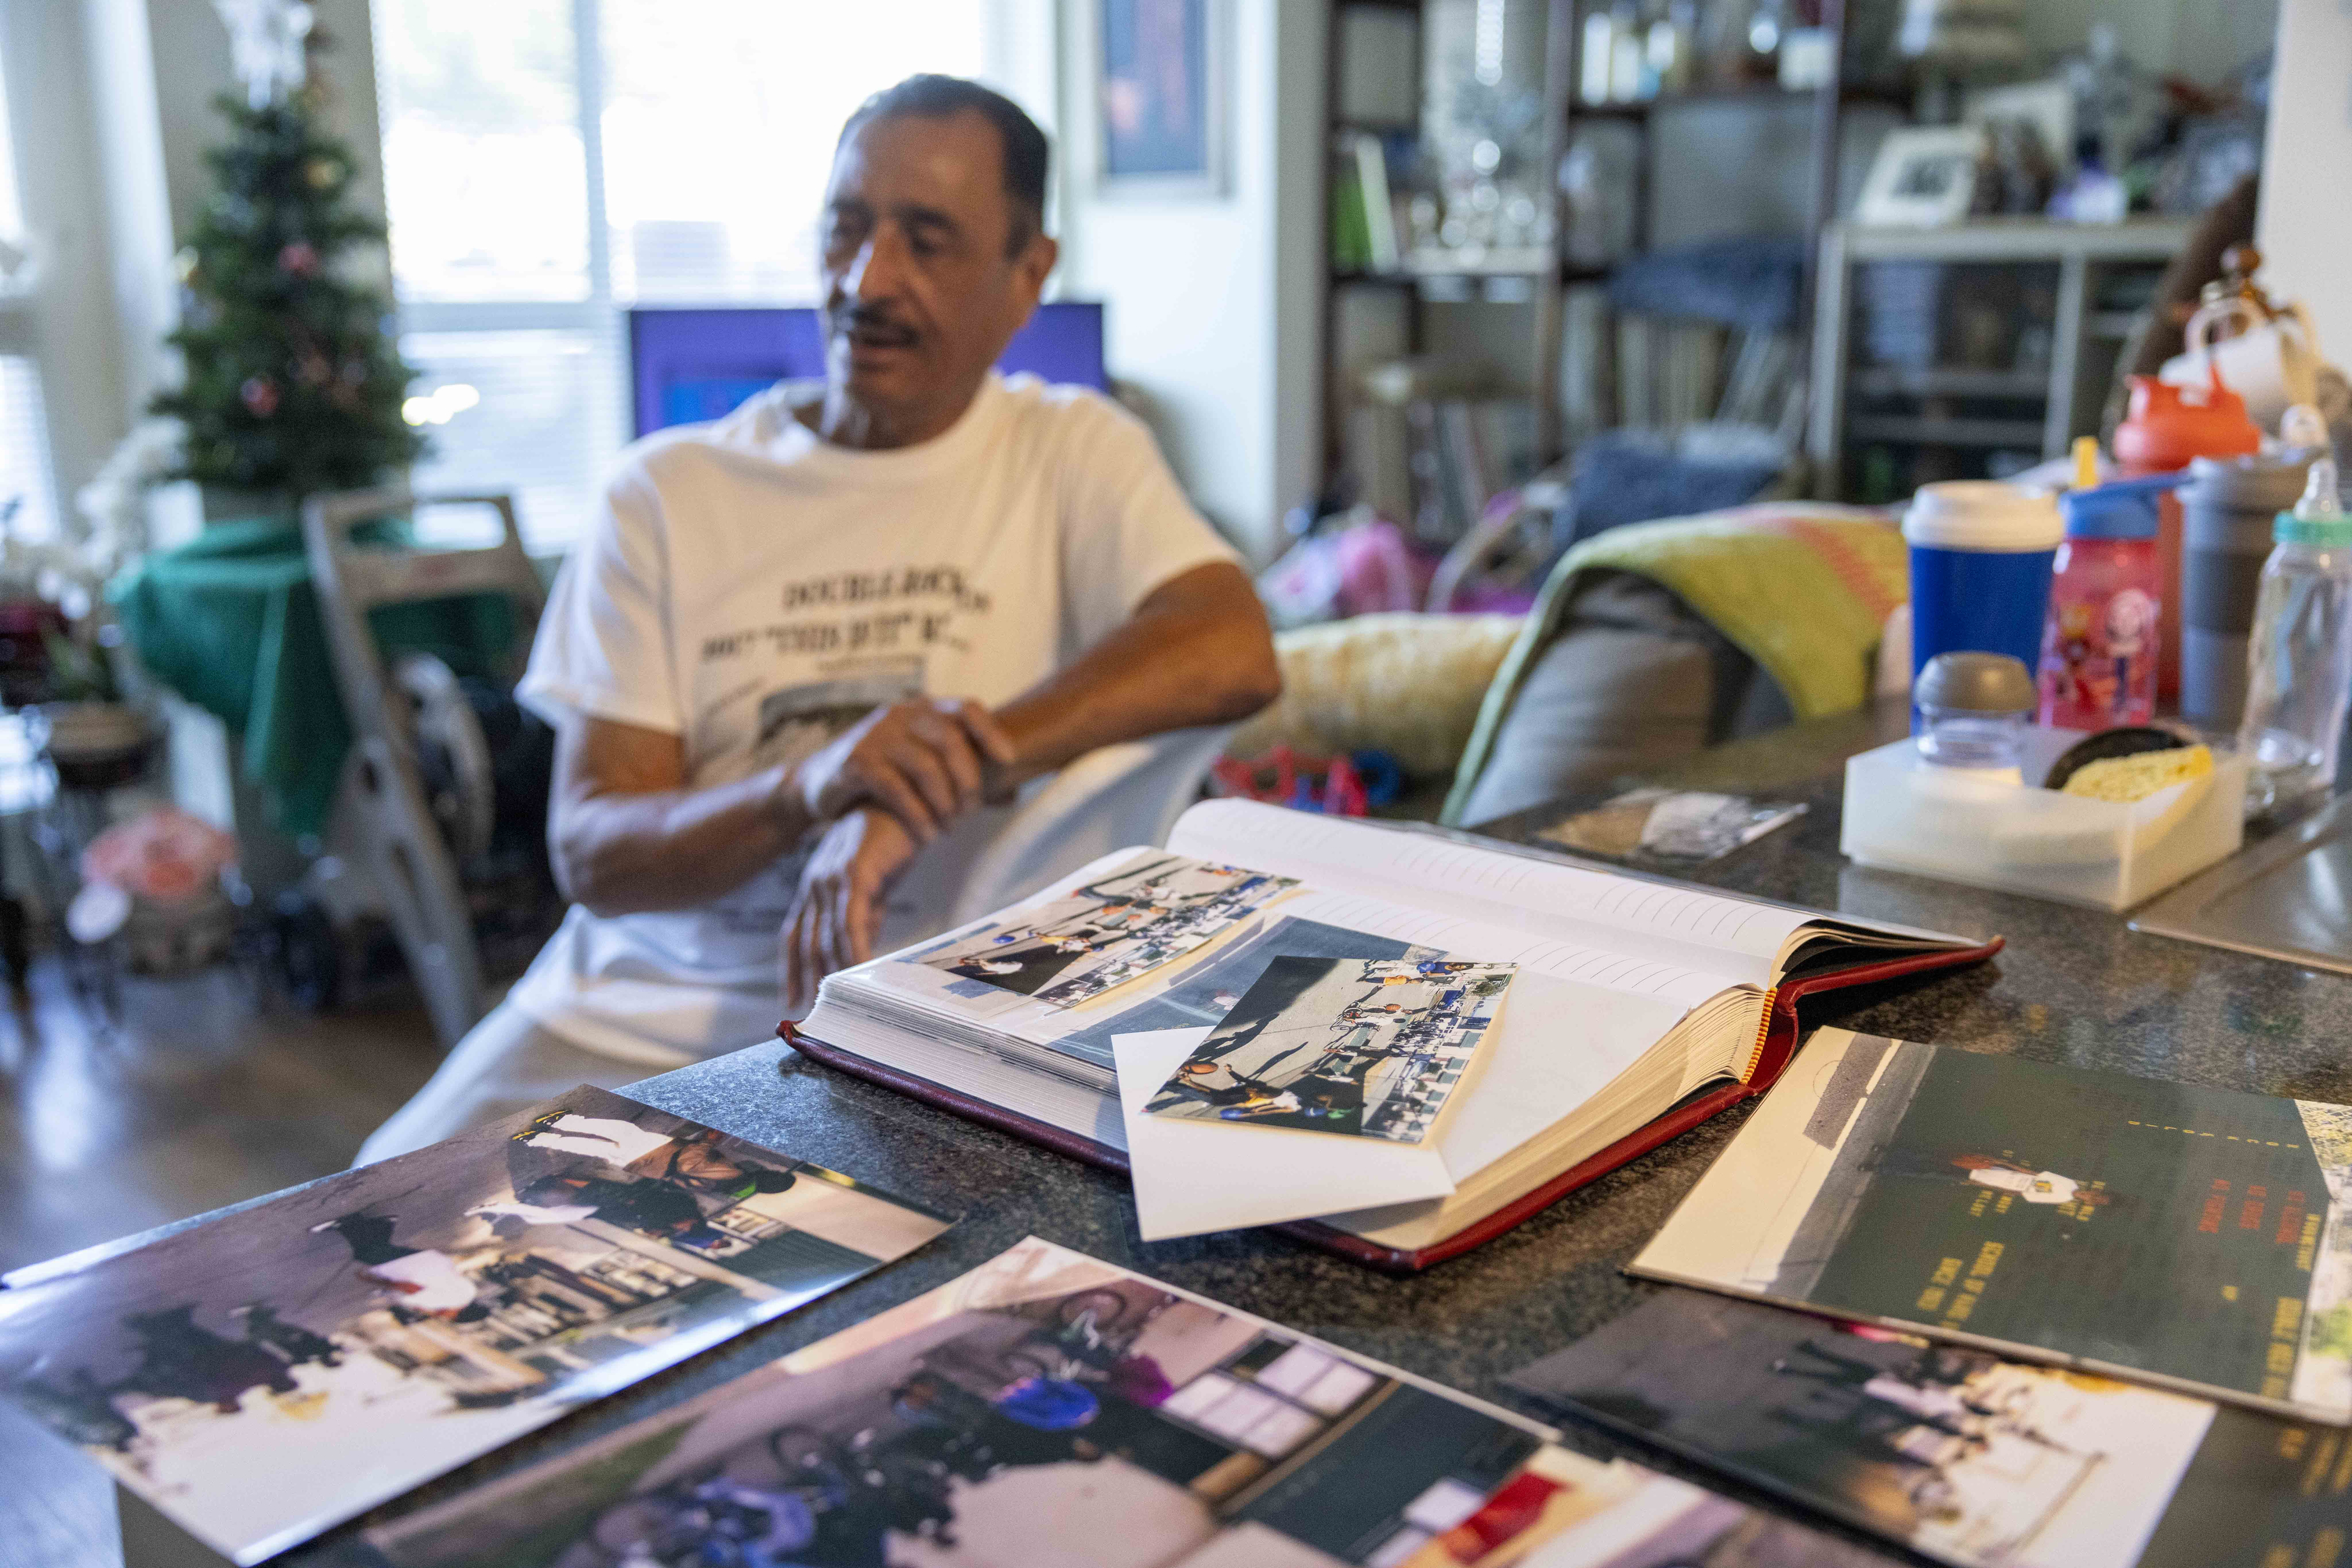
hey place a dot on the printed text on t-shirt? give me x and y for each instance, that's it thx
(886, 631)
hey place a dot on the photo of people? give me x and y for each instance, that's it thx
(1051, 1410)
(1067, 949)
(1365, 1047)
(1206, 992)
(1958, 1454)
(2063, 1214)
(266, 1375)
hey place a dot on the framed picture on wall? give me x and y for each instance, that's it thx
(1160, 99)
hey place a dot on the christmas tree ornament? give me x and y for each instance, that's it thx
(322, 172)
(260, 394)
(299, 259)
(267, 47)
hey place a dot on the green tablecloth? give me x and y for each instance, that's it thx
(230, 621)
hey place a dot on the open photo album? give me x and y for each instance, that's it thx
(268, 1373)
(2164, 1232)
(1636, 1005)
(1054, 1411)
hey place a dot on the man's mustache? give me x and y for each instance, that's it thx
(870, 319)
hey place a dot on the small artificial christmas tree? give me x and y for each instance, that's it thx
(293, 385)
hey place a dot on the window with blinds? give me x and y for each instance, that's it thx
(28, 499)
(549, 163)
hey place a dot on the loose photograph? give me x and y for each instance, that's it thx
(1956, 1453)
(1054, 1411)
(266, 1375)
(2166, 1231)
(1362, 1048)
(1073, 948)
(1671, 825)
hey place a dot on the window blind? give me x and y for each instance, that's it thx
(27, 493)
(29, 498)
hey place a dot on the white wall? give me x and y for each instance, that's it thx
(2307, 206)
(1214, 311)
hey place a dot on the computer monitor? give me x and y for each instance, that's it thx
(691, 364)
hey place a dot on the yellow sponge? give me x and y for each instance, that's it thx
(2126, 779)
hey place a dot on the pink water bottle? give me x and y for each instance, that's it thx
(2100, 644)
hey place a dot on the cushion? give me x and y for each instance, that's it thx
(1635, 680)
(1407, 684)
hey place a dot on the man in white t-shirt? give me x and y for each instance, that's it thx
(807, 650)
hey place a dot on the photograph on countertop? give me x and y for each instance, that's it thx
(1671, 825)
(1954, 1452)
(1052, 1410)
(2158, 1231)
(271, 1373)
(1067, 949)
(1362, 1048)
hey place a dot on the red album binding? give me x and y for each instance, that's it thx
(1778, 1045)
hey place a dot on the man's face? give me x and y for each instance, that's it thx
(923, 283)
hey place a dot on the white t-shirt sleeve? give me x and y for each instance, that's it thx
(1126, 525)
(603, 648)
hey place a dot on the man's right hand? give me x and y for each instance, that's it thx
(838, 912)
(924, 761)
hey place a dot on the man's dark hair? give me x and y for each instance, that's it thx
(934, 97)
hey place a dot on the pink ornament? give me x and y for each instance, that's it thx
(260, 395)
(299, 258)
(164, 855)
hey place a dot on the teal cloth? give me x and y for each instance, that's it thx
(230, 621)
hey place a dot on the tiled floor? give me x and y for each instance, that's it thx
(198, 1099)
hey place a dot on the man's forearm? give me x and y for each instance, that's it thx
(1197, 652)
(625, 853)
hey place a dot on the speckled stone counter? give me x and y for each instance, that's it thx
(2075, 987)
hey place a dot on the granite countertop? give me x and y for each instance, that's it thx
(2075, 987)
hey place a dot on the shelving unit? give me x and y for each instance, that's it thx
(1338, 282)
(1953, 413)
(1538, 280)
(1564, 110)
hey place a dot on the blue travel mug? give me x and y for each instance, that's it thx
(1981, 560)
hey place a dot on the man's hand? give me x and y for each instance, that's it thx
(838, 914)
(925, 760)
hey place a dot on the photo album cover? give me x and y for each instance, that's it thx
(1953, 1452)
(1107, 932)
(2160, 1231)
(267, 1374)
(1053, 1411)
(1364, 1048)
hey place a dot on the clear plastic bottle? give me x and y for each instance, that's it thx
(1972, 712)
(2299, 662)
